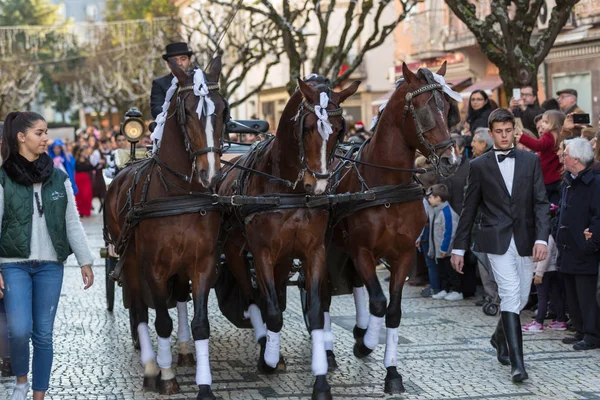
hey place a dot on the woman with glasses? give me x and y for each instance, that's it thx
(480, 108)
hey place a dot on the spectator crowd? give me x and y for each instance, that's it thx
(566, 290)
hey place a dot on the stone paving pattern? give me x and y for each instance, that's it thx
(444, 353)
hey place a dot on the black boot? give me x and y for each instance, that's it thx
(514, 339)
(498, 342)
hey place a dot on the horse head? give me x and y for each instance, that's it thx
(201, 112)
(428, 113)
(320, 126)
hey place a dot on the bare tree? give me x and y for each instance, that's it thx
(509, 38)
(362, 30)
(250, 45)
(18, 84)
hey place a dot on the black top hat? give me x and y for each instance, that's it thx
(177, 49)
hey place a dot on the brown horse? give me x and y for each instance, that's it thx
(415, 118)
(301, 152)
(163, 205)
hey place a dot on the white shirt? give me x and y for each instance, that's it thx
(507, 169)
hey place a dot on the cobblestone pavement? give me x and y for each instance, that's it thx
(444, 353)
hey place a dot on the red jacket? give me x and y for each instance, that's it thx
(545, 147)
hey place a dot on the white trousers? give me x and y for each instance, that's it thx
(513, 275)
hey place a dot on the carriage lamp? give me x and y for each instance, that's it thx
(133, 127)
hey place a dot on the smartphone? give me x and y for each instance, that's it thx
(516, 94)
(583, 119)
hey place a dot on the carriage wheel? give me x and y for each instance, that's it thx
(109, 264)
(490, 309)
(303, 298)
(134, 333)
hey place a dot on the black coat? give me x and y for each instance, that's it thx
(481, 121)
(579, 209)
(528, 116)
(525, 214)
(159, 94)
(456, 185)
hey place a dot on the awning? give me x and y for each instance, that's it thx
(487, 84)
(457, 82)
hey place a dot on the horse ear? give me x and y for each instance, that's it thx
(408, 75)
(178, 72)
(215, 69)
(349, 91)
(442, 70)
(307, 91)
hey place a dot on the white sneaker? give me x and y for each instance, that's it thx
(20, 392)
(440, 295)
(454, 296)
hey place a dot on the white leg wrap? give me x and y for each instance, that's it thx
(166, 374)
(391, 348)
(360, 301)
(145, 344)
(328, 334)
(272, 349)
(183, 325)
(151, 369)
(165, 358)
(257, 322)
(372, 336)
(203, 376)
(319, 358)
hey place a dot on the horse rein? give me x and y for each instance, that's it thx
(301, 115)
(433, 157)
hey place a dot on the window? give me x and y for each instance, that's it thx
(582, 82)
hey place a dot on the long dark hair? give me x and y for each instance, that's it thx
(485, 107)
(14, 123)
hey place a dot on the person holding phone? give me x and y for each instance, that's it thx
(547, 147)
(524, 105)
(567, 100)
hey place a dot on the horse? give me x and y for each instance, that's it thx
(162, 216)
(287, 167)
(415, 118)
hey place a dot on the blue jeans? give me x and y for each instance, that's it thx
(433, 268)
(3, 331)
(32, 290)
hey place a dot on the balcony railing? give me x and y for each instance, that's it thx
(428, 33)
(458, 33)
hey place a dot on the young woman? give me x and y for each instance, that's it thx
(480, 109)
(83, 170)
(546, 147)
(40, 229)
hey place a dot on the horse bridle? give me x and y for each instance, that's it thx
(182, 121)
(424, 121)
(337, 112)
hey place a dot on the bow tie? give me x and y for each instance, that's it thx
(502, 157)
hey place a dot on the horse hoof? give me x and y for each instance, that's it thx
(262, 365)
(204, 393)
(321, 389)
(393, 382)
(359, 333)
(360, 350)
(168, 387)
(151, 383)
(281, 365)
(186, 360)
(331, 363)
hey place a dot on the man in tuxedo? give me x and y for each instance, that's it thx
(507, 186)
(181, 55)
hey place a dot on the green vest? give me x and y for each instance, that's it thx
(15, 238)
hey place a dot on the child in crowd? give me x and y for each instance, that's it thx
(546, 147)
(549, 285)
(443, 222)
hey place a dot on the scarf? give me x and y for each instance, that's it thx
(25, 172)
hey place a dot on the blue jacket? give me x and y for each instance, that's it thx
(69, 162)
(579, 210)
(443, 224)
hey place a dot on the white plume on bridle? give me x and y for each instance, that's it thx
(323, 124)
(205, 106)
(447, 89)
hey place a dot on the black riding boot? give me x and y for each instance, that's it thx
(498, 342)
(514, 338)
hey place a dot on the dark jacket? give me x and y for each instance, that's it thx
(525, 214)
(480, 121)
(456, 185)
(579, 210)
(159, 94)
(527, 116)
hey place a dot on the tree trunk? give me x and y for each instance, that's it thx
(518, 76)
